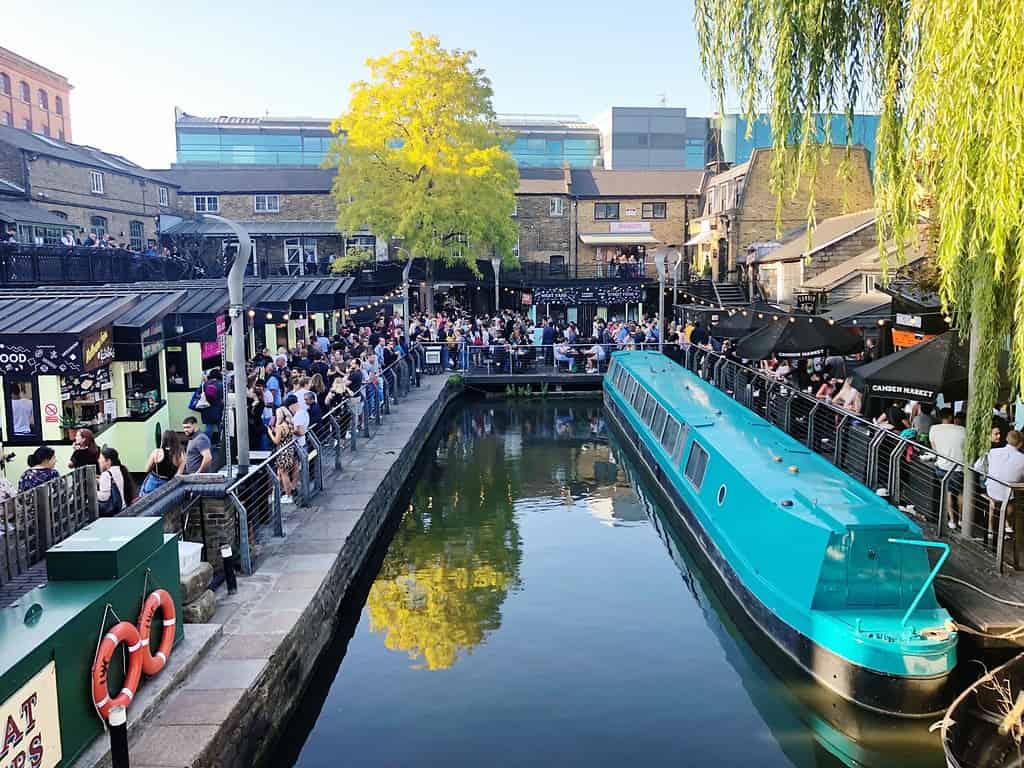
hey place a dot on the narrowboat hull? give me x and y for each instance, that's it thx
(902, 696)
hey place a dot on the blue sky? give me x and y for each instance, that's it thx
(132, 62)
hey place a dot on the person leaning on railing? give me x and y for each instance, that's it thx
(1004, 467)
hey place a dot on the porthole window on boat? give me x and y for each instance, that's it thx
(721, 494)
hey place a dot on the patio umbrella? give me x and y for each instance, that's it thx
(923, 371)
(795, 337)
(746, 321)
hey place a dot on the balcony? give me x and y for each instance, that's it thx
(26, 265)
(534, 271)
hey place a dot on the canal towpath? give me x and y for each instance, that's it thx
(268, 636)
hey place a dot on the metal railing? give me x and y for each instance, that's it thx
(62, 264)
(507, 358)
(542, 270)
(256, 498)
(915, 478)
(36, 519)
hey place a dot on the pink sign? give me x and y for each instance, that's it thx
(210, 349)
(222, 325)
(623, 227)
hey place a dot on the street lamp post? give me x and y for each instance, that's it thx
(496, 266)
(236, 281)
(675, 278)
(659, 262)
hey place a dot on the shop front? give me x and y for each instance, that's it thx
(583, 304)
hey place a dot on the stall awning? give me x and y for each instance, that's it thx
(703, 237)
(618, 238)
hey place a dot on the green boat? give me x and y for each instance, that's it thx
(832, 574)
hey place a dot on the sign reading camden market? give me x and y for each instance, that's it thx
(31, 723)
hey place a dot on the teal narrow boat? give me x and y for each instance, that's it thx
(831, 573)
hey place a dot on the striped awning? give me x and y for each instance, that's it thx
(619, 238)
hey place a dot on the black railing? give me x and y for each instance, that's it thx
(57, 264)
(532, 271)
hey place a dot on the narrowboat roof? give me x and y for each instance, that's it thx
(820, 492)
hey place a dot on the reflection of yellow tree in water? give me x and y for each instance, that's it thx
(453, 560)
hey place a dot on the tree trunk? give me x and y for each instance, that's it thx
(427, 288)
(970, 486)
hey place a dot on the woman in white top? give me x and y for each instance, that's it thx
(113, 475)
(849, 397)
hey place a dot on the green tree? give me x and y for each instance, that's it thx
(421, 157)
(948, 79)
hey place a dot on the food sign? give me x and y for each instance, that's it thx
(98, 349)
(31, 735)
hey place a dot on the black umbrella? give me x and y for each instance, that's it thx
(743, 322)
(795, 337)
(923, 371)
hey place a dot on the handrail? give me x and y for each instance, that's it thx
(931, 576)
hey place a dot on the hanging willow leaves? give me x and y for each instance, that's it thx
(947, 77)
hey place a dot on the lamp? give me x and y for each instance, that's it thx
(659, 262)
(496, 266)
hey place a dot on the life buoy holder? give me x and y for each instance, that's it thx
(122, 632)
(159, 599)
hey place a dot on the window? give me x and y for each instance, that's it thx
(26, 123)
(5, 118)
(58, 105)
(26, 93)
(5, 84)
(606, 211)
(60, 215)
(136, 235)
(638, 399)
(660, 416)
(668, 437)
(46, 130)
(556, 266)
(711, 200)
(98, 226)
(696, 464)
(162, 192)
(46, 235)
(556, 206)
(268, 204)
(22, 411)
(300, 256)
(206, 203)
(44, 100)
(648, 412)
(684, 432)
(96, 182)
(654, 210)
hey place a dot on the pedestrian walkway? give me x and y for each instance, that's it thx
(274, 628)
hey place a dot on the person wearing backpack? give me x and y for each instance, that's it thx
(115, 488)
(213, 389)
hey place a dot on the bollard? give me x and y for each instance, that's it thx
(228, 557)
(118, 720)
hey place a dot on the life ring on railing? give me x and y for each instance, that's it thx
(122, 632)
(159, 599)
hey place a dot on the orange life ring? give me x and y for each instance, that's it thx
(158, 599)
(123, 632)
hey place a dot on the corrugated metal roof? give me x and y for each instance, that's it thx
(23, 212)
(595, 183)
(59, 314)
(827, 232)
(150, 308)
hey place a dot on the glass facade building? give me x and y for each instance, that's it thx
(216, 146)
(552, 153)
(737, 148)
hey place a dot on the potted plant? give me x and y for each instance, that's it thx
(70, 426)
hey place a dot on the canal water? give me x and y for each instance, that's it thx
(534, 605)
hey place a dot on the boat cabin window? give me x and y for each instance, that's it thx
(668, 437)
(649, 405)
(696, 465)
(638, 399)
(684, 431)
(630, 388)
(659, 422)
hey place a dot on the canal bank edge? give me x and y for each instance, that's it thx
(235, 716)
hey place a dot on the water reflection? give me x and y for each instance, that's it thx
(792, 704)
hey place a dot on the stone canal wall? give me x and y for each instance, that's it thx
(231, 709)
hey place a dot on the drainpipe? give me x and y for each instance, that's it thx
(236, 289)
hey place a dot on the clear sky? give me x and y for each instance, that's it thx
(132, 61)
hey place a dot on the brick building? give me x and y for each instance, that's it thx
(33, 98)
(80, 188)
(738, 209)
(544, 217)
(629, 214)
(287, 210)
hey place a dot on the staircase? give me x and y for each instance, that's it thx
(723, 294)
